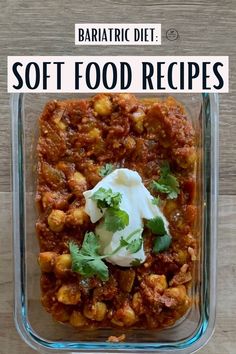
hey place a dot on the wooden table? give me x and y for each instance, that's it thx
(46, 28)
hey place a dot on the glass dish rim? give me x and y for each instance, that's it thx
(206, 327)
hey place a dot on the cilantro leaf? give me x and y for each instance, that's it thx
(106, 169)
(90, 244)
(167, 182)
(123, 242)
(86, 260)
(160, 187)
(79, 262)
(157, 226)
(156, 200)
(116, 219)
(132, 246)
(135, 245)
(168, 185)
(99, 268)
(76, 256)
(136, 262)
(162, 243)
(105, 198)
(165, 168)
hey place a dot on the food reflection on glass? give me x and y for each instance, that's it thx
(116, 195)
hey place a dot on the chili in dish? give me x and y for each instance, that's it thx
(81, 141)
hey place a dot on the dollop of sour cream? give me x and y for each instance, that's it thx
(136, 201)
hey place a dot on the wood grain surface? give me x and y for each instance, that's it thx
(47, 28)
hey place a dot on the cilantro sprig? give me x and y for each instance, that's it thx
(115, 219)
(87, 261)
(167, 182)
(129, 244)
(163, 240)
(157, 226)
(105, 198)
(162, 243)
(156, 201)
(106, 169)
(132, 246)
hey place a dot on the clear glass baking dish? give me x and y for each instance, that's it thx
(34, 325)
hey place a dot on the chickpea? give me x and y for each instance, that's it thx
(116, 144)
(79, 178)
(96, 312)
(127, 100)
(48, 199)
(191, 157)
(157, 282)
(182, 256)
(178, 293)
(137, 303)
(138, 119)
(78, 183)
(77, 319)
(69, 294)
(62, 264)
(171, 102)
(54, 200)
(56, 220)
(124, 316)
(61, 315)
(103, 106)
(77, 217)
(126, 96)
(186, 157)
(95, 134)
(116, 322)
(46, 261)
(129, 316)
(129, 143)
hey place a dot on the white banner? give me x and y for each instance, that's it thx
(117, 34)
(87, 74)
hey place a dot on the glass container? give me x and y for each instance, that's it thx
(33, 323)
